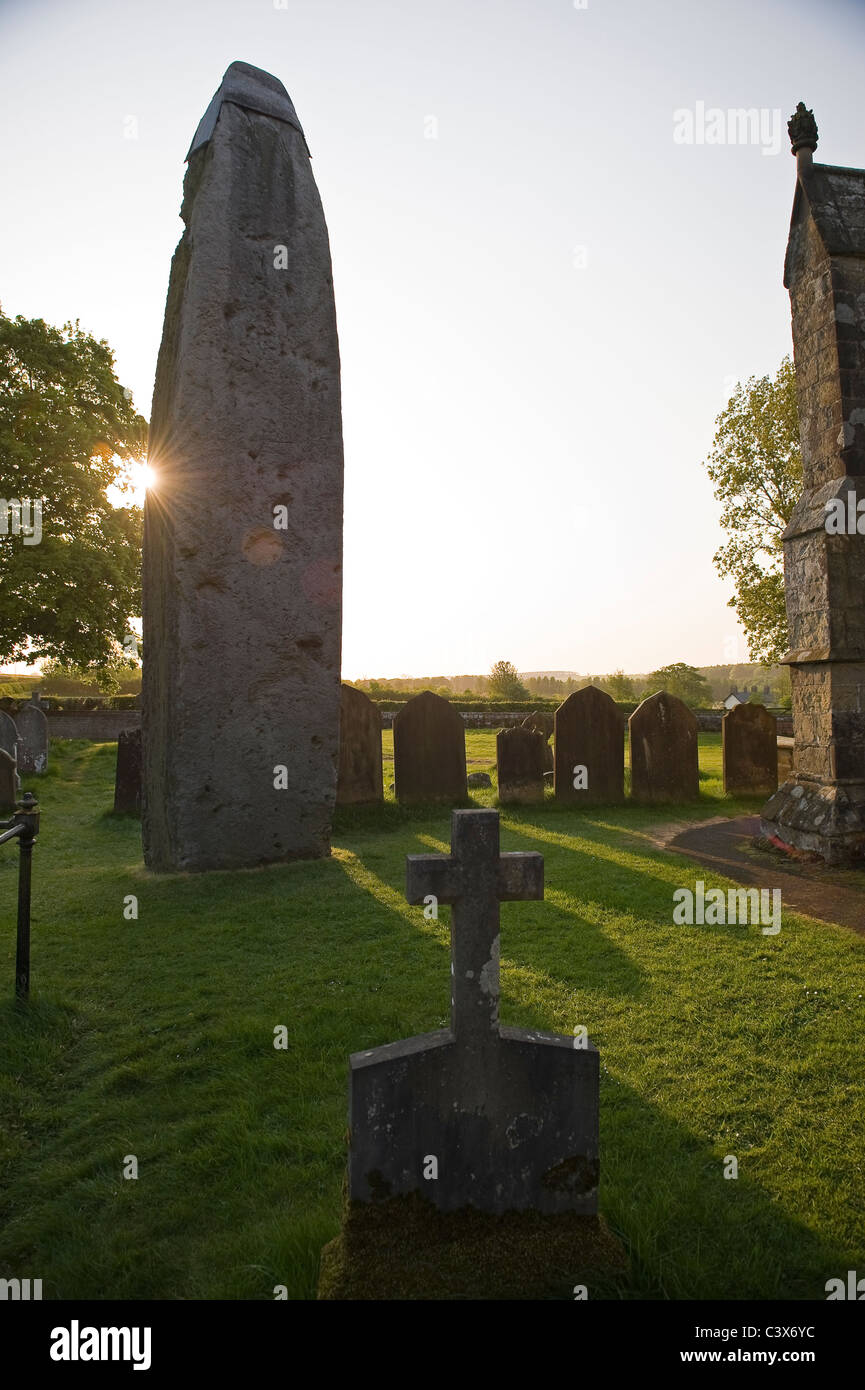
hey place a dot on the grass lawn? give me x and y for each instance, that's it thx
(154, 1038)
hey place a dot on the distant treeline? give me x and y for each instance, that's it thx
(770, 685)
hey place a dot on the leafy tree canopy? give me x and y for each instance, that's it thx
(756, 470)
(681, 680)
(504, 680)
(66, 428)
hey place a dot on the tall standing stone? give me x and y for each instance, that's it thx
(589, 748)
(821, 806)
(8, 735)
(749, 742)
(360, 771)
(127, 773)
(520, 765)
(243, 528)
(32, 728)
(664, 759)
(429, 751)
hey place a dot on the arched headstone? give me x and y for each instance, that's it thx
(33, 732)
(664, 764)
(8, 782)
(360, 775)
(589, 748)
(8, 735)
(520, 765)
(429, 751)
(749, 739)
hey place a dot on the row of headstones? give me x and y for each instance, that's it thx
(23, 749)
(429, 753)
(589, 756)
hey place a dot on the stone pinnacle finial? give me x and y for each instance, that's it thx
(802, 129)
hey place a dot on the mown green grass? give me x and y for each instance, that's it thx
(154, 1038)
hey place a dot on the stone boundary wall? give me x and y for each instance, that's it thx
(98, 725)
(104, 725)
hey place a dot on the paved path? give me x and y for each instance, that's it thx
(732, 848)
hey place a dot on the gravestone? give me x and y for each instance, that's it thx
(429, 751)
(543, 724)
(32, 728)
(510, 1114)
(8, 782)
(473, 1151)
(749, 741)
(360, 771)
(520, 763)
(8, 734)
(664, 765)
(590, 734)
(242, 580)
(820, 807)
(127, 776)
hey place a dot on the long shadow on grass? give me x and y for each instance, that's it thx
(692, 1233)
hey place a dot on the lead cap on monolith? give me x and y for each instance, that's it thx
(254, 90)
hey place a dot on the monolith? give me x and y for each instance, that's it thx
(243, 528)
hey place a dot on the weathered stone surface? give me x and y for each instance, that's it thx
(479, 779)
(243, 529)
(821, 805)
(8, 734)
(127, 775)
(590, 733)
(510, 1115)
(360, 767)
(663, 735)
(32, 728)
(749, 742)
(520, 762)
(429, 751)
(8, 782)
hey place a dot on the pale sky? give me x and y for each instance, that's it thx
(541, 309)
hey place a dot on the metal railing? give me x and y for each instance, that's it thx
(23, 826)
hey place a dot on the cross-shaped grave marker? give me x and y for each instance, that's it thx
(476, 1115)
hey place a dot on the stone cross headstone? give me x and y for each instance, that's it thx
(520, 765)
(242, 586)
(360, 769)
(429, 751)
(8, 734)
(749, 741)
(32, 728)
(127, 775)
(8, 782)
(664, 759)
(589, 748)
(510, 1115)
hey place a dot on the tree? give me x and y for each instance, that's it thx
(620, 686)
(67, 431)
(681, 680)
(756, 469)
(504, 680)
